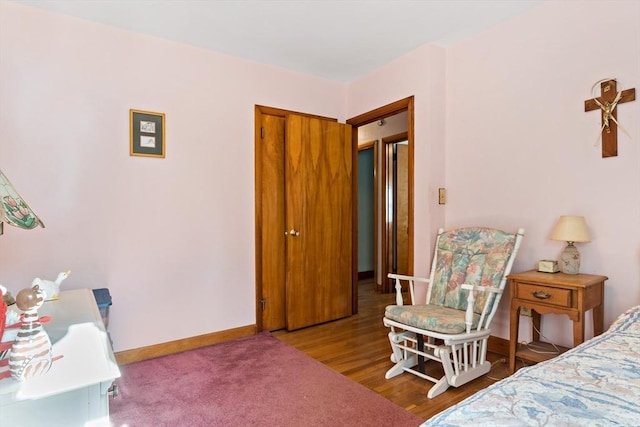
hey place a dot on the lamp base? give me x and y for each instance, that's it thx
(570, 260)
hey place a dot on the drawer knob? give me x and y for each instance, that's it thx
(541, 295)
(113, 391)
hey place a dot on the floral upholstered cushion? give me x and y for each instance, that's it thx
(430, 317)
(473, 255)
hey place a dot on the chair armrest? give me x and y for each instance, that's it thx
(411, 279)
(471, 302)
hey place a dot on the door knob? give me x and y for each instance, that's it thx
(294, 233)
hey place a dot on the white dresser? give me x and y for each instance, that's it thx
(75, 391)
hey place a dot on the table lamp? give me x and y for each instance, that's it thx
(13, 209)
(570, 229)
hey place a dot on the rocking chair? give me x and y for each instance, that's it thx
(468, 276)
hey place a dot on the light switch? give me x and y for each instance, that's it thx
(442, 196)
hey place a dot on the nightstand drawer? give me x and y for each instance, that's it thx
(543, 294)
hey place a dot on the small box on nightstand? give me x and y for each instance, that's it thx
(548, 266)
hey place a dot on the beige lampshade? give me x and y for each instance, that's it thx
(571, 229)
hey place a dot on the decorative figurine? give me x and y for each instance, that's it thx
(50, 288)
(31, 352)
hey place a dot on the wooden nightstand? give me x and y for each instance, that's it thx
(559, 293)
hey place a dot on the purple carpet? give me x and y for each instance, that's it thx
(248, 382)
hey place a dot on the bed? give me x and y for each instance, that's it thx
(594, 384)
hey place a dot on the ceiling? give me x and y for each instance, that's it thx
(340, 40)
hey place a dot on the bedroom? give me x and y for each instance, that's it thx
(499, 122)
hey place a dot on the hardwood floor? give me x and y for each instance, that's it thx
(358, 348)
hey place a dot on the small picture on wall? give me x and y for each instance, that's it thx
(147, 141)
(146, 126)
(146, 132)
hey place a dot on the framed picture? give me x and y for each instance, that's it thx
(146, 133)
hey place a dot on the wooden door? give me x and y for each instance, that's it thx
(315, 160)
(318, 204)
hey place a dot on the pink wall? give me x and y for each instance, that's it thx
(499, 122)
(520, 148)
(173, 238)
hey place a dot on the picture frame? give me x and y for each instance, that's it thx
(146, 133)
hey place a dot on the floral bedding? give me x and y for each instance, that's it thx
(594, 384)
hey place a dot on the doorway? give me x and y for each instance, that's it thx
(394, 189)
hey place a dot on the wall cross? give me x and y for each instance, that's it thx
(606, 103)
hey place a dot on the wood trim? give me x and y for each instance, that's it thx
(178, 346)
(376, 215)
(498, 345)
(365, 275)
(354, 221)
(382, 112)
(273, 111)
(384, 238)
(410, 166)
(257, 167)
(366, 145)
(392, 139)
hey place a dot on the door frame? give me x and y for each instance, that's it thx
(386, 231)
(406, 104)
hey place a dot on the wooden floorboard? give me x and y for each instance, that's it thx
(358, 348)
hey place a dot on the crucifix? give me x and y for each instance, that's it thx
(607, 102)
